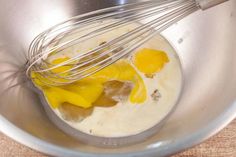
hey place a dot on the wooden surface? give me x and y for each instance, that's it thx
(221, 145)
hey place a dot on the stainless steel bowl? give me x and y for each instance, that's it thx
(205, 42)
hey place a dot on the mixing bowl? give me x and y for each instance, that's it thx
(205, 42)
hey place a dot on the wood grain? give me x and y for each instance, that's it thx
(221, 145)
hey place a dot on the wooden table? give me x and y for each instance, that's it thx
(221, 145)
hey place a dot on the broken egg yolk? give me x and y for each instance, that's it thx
(85, 92)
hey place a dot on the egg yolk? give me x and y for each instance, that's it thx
(85, 92)
(150, 61)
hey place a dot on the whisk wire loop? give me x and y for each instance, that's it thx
(150, 18)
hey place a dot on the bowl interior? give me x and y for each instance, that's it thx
(205, 42)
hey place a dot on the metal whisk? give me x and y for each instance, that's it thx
(155, 16)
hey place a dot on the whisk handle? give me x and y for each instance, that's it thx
(205, 4)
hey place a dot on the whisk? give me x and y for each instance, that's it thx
(153, 17)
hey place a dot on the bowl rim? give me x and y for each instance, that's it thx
(175, 146)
